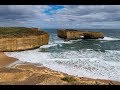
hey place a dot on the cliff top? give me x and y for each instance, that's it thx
(12, 32)
(76, 30)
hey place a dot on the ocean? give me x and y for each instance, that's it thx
(95, 58)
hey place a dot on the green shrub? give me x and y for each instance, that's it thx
(68, 79)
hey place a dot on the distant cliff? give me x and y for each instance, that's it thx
(33, 38)
(70, 34)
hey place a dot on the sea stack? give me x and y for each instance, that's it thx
(71, 34)
(21, 38)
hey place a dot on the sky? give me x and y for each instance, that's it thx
(61, 16)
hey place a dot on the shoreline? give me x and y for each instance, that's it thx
(5, 60)
(15, 72)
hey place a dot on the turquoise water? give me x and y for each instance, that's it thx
(99, 59)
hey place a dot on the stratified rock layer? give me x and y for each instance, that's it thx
(77, 34)
(16, 43)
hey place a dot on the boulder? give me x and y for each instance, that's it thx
(77, 34)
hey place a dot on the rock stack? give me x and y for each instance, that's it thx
(70, 34)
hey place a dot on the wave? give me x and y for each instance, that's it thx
(109, 39)
(49, 45)
(55, 43)
(83, 63)
(62, 42)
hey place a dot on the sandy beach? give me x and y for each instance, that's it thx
(31, 74)
(4, 60)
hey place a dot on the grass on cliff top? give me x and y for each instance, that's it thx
(10, 32)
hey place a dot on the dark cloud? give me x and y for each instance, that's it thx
(14, 12)
(21, 14)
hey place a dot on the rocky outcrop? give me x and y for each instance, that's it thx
(77, 34)
(24, 42)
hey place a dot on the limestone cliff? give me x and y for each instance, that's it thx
(24, 42)
(77, 34)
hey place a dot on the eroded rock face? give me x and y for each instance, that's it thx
(93, 35)
(76, 34)
(23, 43)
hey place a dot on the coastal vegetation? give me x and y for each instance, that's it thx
(11, 32)
(68, 79)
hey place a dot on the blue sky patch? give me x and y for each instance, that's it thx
(53, 9)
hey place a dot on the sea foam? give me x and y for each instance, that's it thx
(81, 63)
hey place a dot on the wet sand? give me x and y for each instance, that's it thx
(5, 60)
(31, 74)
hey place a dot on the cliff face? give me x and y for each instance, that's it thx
(75, 34)
(23, 43)
(93, 35)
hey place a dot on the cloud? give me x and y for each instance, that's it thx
(90, 13)
(60, 15)
(16, 14)
(21, 11)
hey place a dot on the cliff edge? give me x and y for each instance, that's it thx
(20, 38)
